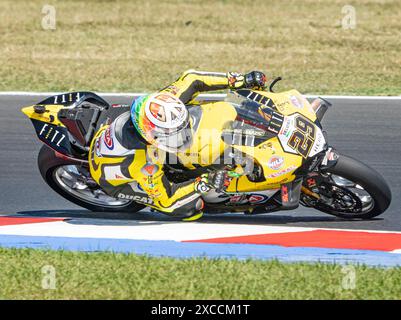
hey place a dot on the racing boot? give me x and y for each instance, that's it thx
(198, 212)
(194, 217)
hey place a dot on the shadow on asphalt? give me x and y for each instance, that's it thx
(123, 218)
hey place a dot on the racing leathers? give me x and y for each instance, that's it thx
(127, 167)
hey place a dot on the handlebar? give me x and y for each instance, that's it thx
(274, 83)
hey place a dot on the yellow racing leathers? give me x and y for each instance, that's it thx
(126, 167)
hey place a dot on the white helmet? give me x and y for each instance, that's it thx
(163, 120)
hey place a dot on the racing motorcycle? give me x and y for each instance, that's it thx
(278, 153)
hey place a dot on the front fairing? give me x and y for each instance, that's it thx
(287, 115)
(291, 129)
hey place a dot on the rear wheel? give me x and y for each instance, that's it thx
(73, 182)
(350, 189)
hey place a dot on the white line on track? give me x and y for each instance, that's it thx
(144, 230)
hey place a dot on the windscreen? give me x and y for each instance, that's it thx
(252, 125)
(249, 111)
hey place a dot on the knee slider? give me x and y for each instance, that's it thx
(188, 209)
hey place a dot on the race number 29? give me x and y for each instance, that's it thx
(303, 137)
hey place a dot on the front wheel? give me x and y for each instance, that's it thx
(350, 189)
(72, 181)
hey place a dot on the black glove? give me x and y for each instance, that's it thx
(218, 180)
(255, 80)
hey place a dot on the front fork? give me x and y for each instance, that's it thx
(313, 178)
(290, 193)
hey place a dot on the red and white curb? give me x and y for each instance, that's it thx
(198, 232)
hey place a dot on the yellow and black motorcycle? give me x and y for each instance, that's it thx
(273, 143)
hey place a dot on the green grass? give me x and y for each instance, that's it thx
(143, 45)
(122, 276)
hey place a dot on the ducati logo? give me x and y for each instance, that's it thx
(140, 199)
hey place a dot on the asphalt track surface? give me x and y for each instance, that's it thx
(369, 130)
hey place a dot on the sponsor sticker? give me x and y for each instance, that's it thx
(295, 101)
(282, 172)
(97, 148)
(238, 199)
(154, 193)
(149, 169)
(108, 140)
(318, 144)
(282, 105)
(286, 127)
(257, 198)
(311, 182)
(284, 194)
(51, 134)
(135, 198)
(275, 162)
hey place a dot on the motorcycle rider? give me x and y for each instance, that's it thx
(126, 155)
